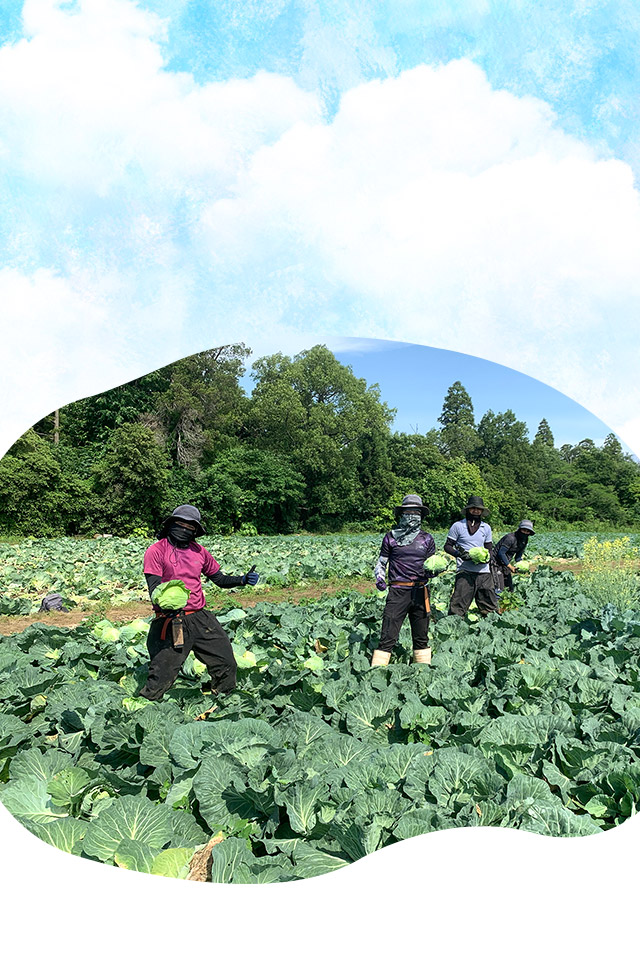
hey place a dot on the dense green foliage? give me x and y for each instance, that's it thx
(311, 448)
(111, 568)
(530, 720)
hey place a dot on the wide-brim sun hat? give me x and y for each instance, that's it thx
(475, 502)
(411, 502)
(526, 526)
(185, 512)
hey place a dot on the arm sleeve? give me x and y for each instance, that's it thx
(503, 557)
(383, 560)
(380, 566)
(153, 581)
(225, 581)
(451, 548)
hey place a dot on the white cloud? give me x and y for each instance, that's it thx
(85, 103)
(173, 216)
(460, 217)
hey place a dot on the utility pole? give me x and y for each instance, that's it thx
(56, 427)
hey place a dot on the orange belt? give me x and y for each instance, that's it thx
(427, 604)
(169, 616)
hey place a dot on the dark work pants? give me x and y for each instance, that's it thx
(400, 602)
(504, 578)
(205, 636)
(473, 585)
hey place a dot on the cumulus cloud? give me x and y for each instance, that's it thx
(171, 216)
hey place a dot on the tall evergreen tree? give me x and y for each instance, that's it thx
(544, 435)
(458, 436)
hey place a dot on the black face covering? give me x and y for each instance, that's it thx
(181, 536)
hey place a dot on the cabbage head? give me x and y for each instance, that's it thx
(479, 555)
(522, 566)
(171, 595)
(436, 563)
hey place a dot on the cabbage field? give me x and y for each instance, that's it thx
(528, 720)
(111, 568)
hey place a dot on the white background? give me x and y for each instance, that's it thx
(464, 903)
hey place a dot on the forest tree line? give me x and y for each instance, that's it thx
(310, 449)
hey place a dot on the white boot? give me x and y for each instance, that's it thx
(380, 658)
(422, 656)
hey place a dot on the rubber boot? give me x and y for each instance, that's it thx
(380, 658)
(422, 656)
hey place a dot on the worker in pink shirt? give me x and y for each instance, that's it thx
(173, 634)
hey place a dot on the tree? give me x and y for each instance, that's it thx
(544, 435)
(458, 436)
(201, 410)
(332, 428)
(446, 488)
(251, 486)
(130, 481)
(37, 497)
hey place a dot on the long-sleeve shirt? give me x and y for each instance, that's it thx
(509, 548)
(406, 562)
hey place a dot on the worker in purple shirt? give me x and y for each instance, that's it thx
(473, 580)
(403, 554)
(177, 555)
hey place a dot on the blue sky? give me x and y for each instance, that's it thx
(414, 380)
(177, 174)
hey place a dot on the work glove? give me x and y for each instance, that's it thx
(381, 584)
(251, 577)
(464, 555)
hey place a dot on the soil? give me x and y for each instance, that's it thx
(125, 612)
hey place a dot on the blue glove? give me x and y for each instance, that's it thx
(251, 577)
(381, 584)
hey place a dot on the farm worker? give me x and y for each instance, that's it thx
(474, 579)
(509, 550)
(177, 555)
(404, 551)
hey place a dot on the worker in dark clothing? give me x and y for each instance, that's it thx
(177, 555)
(403, 553)
(509, 550)
(474, 580)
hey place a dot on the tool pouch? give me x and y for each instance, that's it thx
(177, 632)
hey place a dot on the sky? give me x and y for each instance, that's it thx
(414, 380)
(174, 175)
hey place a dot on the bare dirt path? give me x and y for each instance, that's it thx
(125, 612)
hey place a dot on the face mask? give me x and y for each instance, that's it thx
(410, 521)
(181, 535)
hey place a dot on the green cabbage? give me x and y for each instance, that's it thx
(133, 630)
(171, 595)
(104, 630)
(522, 566)
(479, 555)
(437, 563)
